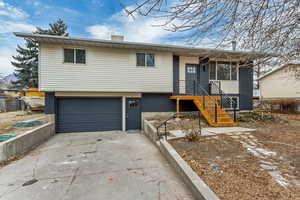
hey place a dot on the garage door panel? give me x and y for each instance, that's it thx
(89, 114)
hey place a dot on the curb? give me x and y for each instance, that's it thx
(198, 187)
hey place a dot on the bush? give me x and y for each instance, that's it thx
(254, 117)
(192, 135)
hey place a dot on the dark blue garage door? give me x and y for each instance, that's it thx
(89, 114)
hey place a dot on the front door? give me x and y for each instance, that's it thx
(191, 79)
(133, 114)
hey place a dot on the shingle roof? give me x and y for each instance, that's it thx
(180, 50)
(277, 69)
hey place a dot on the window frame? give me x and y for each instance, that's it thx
(230, 70)
(145, 59)
(75, 60)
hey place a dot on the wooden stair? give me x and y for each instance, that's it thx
(206, 105)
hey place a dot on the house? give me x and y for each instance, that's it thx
(96, 85)
(280, 88)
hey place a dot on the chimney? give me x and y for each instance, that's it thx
(233, 43)
(119, 38)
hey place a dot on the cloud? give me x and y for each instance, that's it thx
(9, 26)
(101, 31)
(5, 59)
(137, 29)
(59, 12)
(11, 11)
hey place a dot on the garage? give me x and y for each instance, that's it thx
(88, 114)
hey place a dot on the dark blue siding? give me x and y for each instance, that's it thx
(50, 103)
(176, 74)
(204, 76)
(155, 102)
(246, 88)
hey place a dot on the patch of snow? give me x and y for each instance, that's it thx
(265, 162)
(177, 133)
(177, 119)
(268, 167)
(265, 152)
(251, 149)
(279, 178)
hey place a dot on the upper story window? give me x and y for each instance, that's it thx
(145, 59)
(223, 71)
(74, 56)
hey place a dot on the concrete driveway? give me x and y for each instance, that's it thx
(100, 165)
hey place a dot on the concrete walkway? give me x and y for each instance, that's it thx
(93, 166)
(222, 130)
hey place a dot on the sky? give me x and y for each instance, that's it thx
(85, 18)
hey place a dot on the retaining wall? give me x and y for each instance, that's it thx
(150, 131)
(26, 141)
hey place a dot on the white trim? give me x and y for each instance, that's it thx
(123, 113)
(97, 94)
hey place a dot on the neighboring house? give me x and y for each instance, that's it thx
(9, 100)
(281, 88)
(94, 85)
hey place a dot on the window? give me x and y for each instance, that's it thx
(233, 71)
(191, 69)
(69, 55)
(212, 70)
(223, 71)
(80, 56)
(74, 56)
(140, 59)
(150, 60)
(231, 102)
(145, 59)
(133, 103)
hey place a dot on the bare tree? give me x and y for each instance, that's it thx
(270, 26)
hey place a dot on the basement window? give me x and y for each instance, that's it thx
(77, 56)
(145, 59)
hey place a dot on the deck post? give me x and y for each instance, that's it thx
(177, 107)
(234, 112)
(216, 113)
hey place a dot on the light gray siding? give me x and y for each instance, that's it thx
(106, 70)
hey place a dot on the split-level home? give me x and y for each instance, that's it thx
(280, 88)
(96, 85)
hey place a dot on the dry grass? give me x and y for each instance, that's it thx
(234, 173)
(6, 125)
